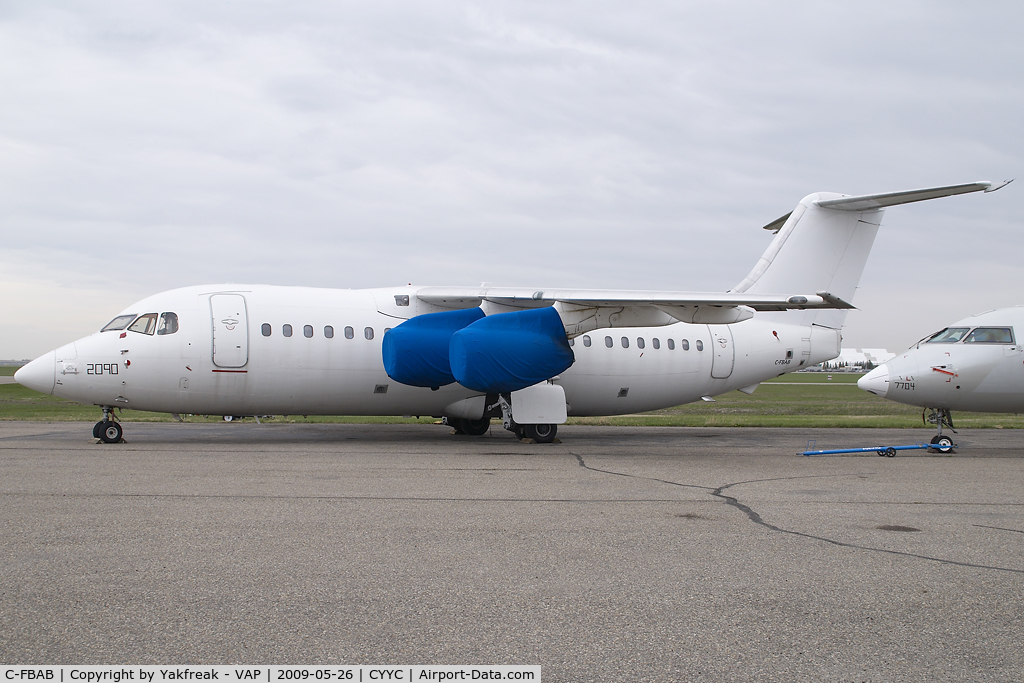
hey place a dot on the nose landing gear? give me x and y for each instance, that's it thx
(941, 417)
(107, 430)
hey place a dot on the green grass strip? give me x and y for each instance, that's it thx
(796, 400)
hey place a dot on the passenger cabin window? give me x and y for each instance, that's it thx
(586, 340)
(307, 331)
(329, 332)
(700, 345)
(949, 335)
(266, 329)
(625, 342)
(990, 335)
(349, 333)
(640, 342)
(118, 323)
(608, 342)
(572, 342)
(146, 324)
(168, 323)
(686, 345)
(368, 333)
(656, 343)
(286, 330)
(671, 344)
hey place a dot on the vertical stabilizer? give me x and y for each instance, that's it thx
(823, 245)
(816, 250)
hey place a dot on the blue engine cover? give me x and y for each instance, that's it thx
(416, 352)
(510, 351)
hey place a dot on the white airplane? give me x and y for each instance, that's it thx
(468, 354)
(976, 364)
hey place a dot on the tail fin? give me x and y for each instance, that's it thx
(823, 245)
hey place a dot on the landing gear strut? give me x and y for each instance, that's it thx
(540, 433)
(941, 417)
(107, 430)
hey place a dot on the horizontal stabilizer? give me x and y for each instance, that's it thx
(878, 201)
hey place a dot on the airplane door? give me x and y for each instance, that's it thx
(230, 330)
(723, 352)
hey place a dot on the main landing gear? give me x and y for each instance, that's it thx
(941, 417)
(469, 427)
(539, 433)
(107, 430)
(499, 406)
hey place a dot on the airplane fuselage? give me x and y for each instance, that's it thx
(311, 351)
(976, 364)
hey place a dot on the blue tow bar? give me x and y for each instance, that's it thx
(888, 451)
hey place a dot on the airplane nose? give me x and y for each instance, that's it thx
(40, 374)
(876, 381)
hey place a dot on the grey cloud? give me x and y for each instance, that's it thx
(588, 144)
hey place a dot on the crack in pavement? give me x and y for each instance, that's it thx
(756, 518)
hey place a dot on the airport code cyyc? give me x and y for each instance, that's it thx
(266, 674)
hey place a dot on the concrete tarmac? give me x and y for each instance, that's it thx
(620, 554)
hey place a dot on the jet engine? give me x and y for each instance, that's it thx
(416, 352)
(494, 354)
(510, 351)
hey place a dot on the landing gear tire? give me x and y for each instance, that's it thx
(97, 429)
(540, 433)
(943, 444)
(109, 431)
(474, 427)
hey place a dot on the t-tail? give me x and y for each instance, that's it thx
(823, 245)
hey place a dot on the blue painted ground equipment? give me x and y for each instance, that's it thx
(887, 451)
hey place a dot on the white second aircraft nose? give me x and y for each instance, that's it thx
(39, 374)
(876, 381)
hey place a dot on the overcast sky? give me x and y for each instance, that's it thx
(642, 145)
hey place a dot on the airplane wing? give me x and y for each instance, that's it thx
(626, 308)
(462, 297)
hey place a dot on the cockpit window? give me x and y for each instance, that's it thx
(118, 323)
(146, 324)
(990, 335)
(168, 323)
(950, 335)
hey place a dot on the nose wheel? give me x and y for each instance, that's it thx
(107, 430)
(942, 418)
